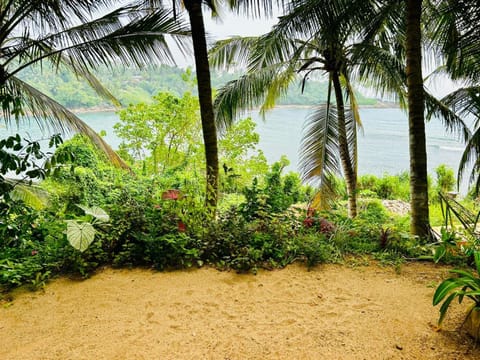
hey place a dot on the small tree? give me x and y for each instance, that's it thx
(239, 157)
(164, 134)
(445, 178)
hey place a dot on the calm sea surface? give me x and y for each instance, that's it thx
(383, 146)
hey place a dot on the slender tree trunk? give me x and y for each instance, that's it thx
(194, 8)
(348, 169)
(419, 224)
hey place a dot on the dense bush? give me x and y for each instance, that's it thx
(385, 187)
(256, 229)
(274, 193)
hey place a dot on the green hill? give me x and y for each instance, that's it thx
(134, 86)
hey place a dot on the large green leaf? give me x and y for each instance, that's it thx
(80, 235)
(447, 286)
(95, 211)
(476, 255)
(445, 305)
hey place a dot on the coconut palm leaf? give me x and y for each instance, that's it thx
(318, 155)
(31, 195)
(105, 41)
(443, 109)
(231, 53)
(255, 8)
(248, 91)
(278, 87)
(50, 115)
(352, 98)
(455, 32)
(386, 26)
(52, 14)
(381, 70)
(351, 129)
(272, 48)
(466, 103)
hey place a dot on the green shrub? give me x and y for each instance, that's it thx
(316, 248)
(445, 178)
(170, 251)
(372, 211)
(81, 152)
(396, 187)
(274, 195)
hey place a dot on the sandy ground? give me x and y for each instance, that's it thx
(331, 312)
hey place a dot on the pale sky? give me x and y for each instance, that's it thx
(237, 25)
(232, 25)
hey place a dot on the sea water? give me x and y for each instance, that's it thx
(382, 141)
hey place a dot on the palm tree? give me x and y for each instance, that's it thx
(455, 35)
(194, 8)
(209, 128)
(314, 36)
(68, 34)
(396, 33)
(419, 224)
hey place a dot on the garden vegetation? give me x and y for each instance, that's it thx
(188, 186)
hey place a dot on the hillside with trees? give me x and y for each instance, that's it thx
(133, 86)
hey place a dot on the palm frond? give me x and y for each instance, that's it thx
(140, 42)
(48, 16)
(455, 30)
(319, 154)
(386, 26)
(305, 18)
(255, 8)
(278, 87)
(351, 130)
(471, 156)
(464, 101)
(443, 110)
(31, 195)
(465, 104)
(249, 91)
(381, 70)
(324, 197)
(50, 115)
(233, 52)
(272, 48)
(352, 99)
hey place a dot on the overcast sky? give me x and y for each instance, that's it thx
(237, 25)
(232, 25)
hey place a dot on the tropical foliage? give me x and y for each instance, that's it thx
(74, 35)
(90, 213)
(312, 37)
(465, 285)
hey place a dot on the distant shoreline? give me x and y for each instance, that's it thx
(94, 109)
(378, 105)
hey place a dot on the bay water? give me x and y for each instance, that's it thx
(382, 145)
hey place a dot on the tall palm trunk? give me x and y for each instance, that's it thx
(194, 8)
(348, 168)
(419, 224)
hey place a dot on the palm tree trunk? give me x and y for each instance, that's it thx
(419, 224)
(194, 8)
(348, 170)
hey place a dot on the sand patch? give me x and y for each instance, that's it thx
(331, 312)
